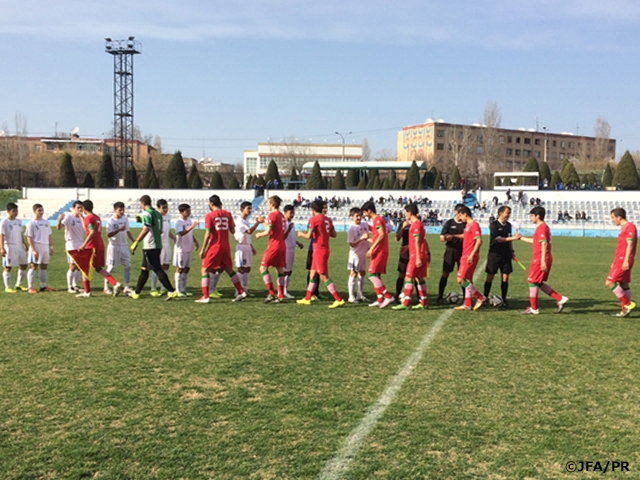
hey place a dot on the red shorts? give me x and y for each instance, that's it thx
(98, 258)
(466, 269)
(320, 262)
(616, 274)
(274, 258)
(216, 259)
(416, 272)
(536, 275)
(378, 263)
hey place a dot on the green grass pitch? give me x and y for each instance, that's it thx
(121, 389)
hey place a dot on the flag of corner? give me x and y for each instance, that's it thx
(83, 260)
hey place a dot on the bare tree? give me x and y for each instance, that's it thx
(291, 153)
(492, 142)
(602, 130)
(366, 150)
(460, 151)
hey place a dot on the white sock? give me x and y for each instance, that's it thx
(185, 280)
(176, 278)
(286, 283)
(43, 278)
(360, 285)
(6, 276)
(352, 283)
(245, 278)
(214, 278)
(127, 275)
(31, 277)
(77, 277)
(21, 275)
(154, 280)
(70, 275)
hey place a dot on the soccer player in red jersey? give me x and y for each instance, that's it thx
(419, 256)
(276, 253)
(320, 229)
(471, 242)
(216, 251)
(540, 263)
(93, 231)
(619, 276)
(378, 254)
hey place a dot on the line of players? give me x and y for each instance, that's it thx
(461, 234)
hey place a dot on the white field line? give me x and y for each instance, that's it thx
(339, 465)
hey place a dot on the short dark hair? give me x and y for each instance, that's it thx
(463, 209)
(289, 208)
(88, 206)
(539, 211)
(368, 207)
(145, 200)
(77, 202)
(354, 210)
(183, 207)
(503, 208)
(11, 206)
(412, 208)
(161, 203)
(245, 204)
(318, 205)
(118, 205)
(458, 207)
(37, 206)
(619, 212)
(215, 201)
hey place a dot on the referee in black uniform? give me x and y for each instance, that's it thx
(452, 233)
(500, 253)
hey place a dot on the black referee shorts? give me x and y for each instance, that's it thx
(151, 259)
(496, 262)
(451, 259)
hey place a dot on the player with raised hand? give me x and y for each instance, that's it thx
(378, 254)
(619, 278)
(12, 248)
(419, 258)
(471, 242)
(118, 248)
(276, 253)
(216, 251)
(185, 241)
(541, 263)
(245, 250)
(40, 249)
(320, 229)
(358, 239)
(74, 236)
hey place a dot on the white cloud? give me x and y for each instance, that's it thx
(490, 23)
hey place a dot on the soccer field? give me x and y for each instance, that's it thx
(121, 389)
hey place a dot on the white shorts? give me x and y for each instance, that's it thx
(244, 256)
(357, 263)
(165, 254)
(43, 255)
(118, 255)
(15, 256)
(290, 258)
(182, 259)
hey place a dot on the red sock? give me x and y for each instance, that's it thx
(379, 293)
(204, 282)
(534, 303)
(87, 285)
(408, 290)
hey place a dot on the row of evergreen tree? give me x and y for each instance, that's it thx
(175, 176)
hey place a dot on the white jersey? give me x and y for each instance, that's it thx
(12, 231)
(353, 235)
(73, 231)
(120, 238)
(184, 243)
(166, 229)
(39, 231)
(290, 241)
(241, 235)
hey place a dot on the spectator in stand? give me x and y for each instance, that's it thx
(577, 215)
(508, 194)
(567, 216)
(495, 201)
(584, 217)
(532, 202)
(441, 185)
(560, 217)
(520, 197)
(492, 218)
(484, 206)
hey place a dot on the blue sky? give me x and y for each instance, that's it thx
(216, 77)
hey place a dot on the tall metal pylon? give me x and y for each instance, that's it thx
(123, 52)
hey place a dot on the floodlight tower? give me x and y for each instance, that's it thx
(123, 52)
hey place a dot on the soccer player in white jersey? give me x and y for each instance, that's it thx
(118, 249)
(185, 242)
(11, 248)
(40, 249)
(73, 237)
(245, 250)
(358, 239)
(165, 253)
(291, 243)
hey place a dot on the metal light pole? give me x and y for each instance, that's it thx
(343, 137)
(545, 143)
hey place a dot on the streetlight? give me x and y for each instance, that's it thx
(343, 137)
(545, 143)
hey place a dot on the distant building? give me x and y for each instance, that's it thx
(287, 155)
(436, 141)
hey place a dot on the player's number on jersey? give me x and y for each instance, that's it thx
(327, 226)
(222, 223)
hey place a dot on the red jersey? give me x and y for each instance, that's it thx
(276, 233)
(627, 234)
(92, 222)
(219, 222)
(417, 230)
(380, 228)
(540, 236)
(471, 233)
(321, 227)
